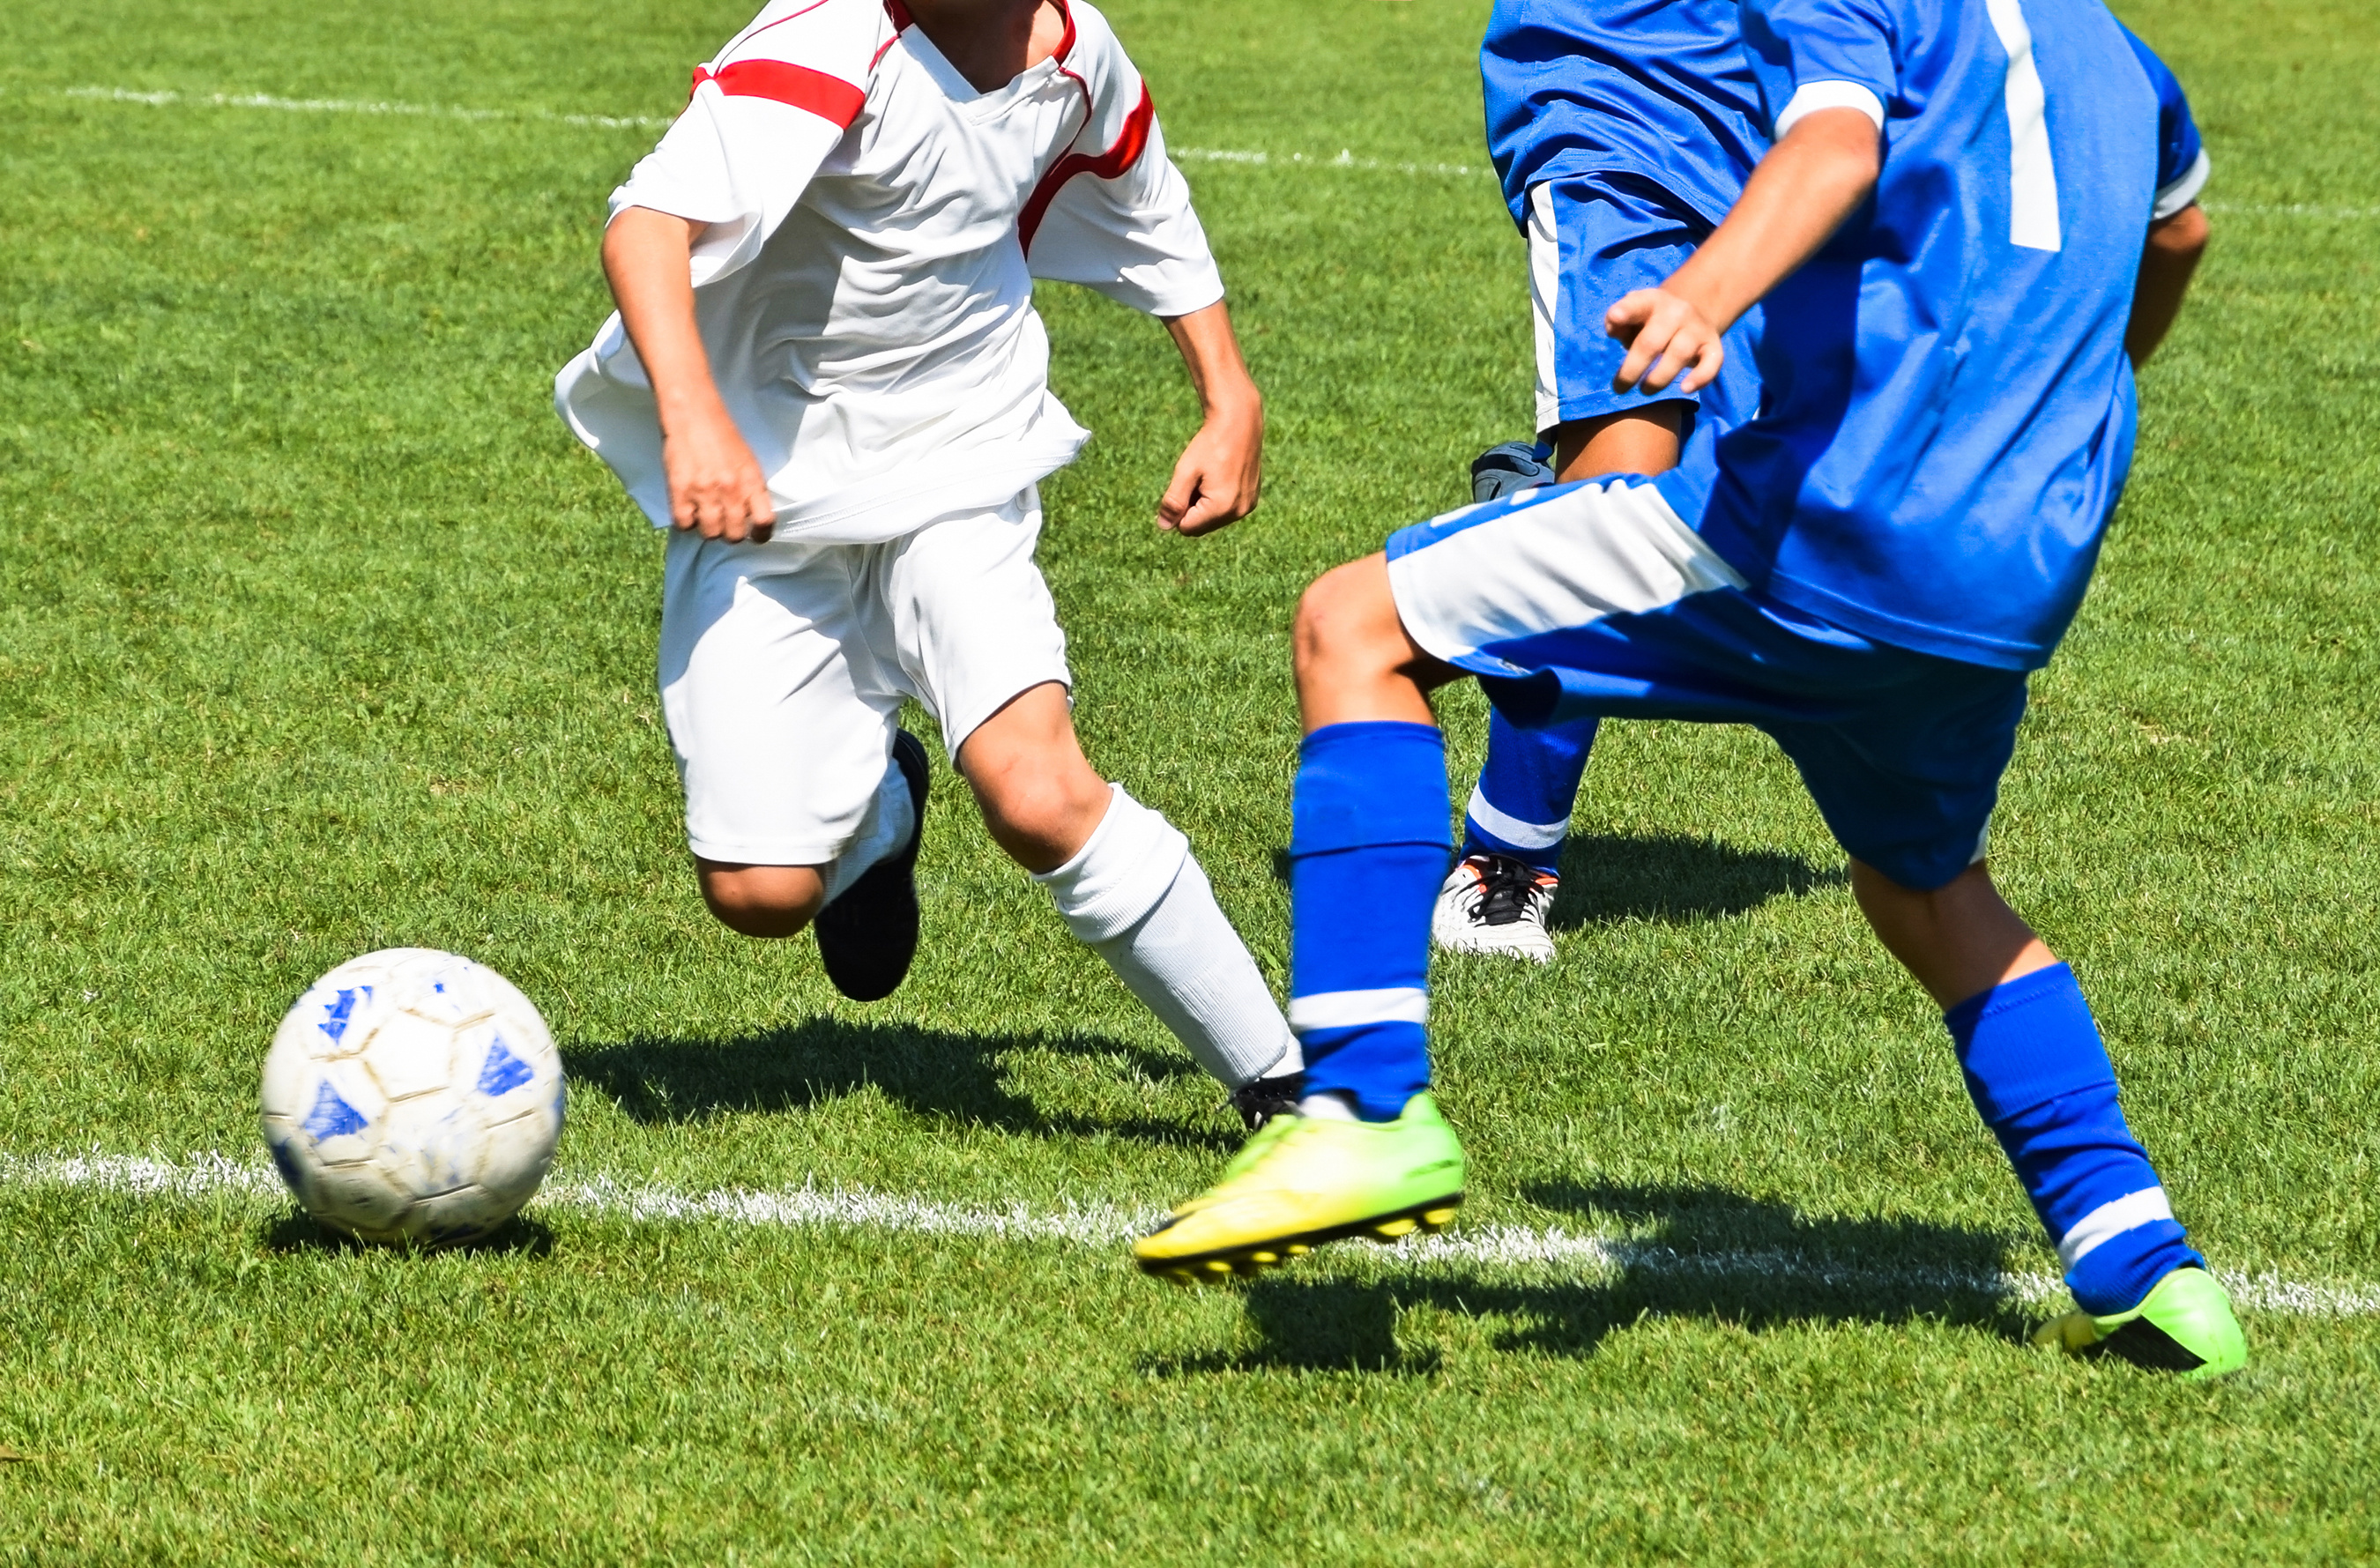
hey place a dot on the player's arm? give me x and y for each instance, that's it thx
(1221, 470)
(2174, 245)
(715, 484)
(1815, 177)
(2177, 223)
(760, 120)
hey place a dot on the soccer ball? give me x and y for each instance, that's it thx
(412, 1096)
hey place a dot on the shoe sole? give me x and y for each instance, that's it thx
(916, 768)
(1225, 1264)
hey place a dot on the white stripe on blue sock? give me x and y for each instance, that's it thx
(2111, 1220)
(1352, 1009)
(1511, 829)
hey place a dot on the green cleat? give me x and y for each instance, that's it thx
(1302, 1181)
(2184, 1325)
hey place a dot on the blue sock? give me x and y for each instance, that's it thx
(1521, 806)
(2040, 1075)
(1367, 848)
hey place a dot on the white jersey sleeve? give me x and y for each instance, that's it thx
(764, 116)
(1114, 213)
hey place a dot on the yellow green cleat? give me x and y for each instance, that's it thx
(2184, 1325)
(1301, 1181)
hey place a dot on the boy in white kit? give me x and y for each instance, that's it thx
(827, 376)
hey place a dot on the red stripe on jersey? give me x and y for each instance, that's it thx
(901, 22)
(829, 97)
(1130, 143)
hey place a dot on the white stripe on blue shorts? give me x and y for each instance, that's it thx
(1548, 560)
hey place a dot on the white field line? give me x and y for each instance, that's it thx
(1499, 1247)
(1345, 159)
(355, 106)
(2295, 210)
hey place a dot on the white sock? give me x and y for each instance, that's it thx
(1331, 1105)
(891, 818)
(1135, 894)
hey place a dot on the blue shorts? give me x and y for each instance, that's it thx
(1596, 599)
(1592, 239)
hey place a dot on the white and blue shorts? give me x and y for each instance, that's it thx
(1592, 238)
(1596, 599)
(783, 667)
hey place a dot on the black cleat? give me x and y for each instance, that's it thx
(867, 936)
(1260, 1099)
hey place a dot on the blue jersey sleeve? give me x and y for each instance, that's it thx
(1820, 53)
(2181, 158)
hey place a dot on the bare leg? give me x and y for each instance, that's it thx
(1039, 797)
(762, 901)
(1355, 662)
(1636, 441)
(1960, 940)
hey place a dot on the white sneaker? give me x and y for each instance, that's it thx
(1495, 904)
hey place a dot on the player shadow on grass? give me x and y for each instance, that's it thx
(1611, 877)
(1701, 1253)
(300, 1231)
(936, 1071)
(1608, 878)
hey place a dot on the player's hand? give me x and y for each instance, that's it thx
(716, 488)
(1220, 471)
(1665, 333)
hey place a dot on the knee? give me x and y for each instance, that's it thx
(1347, 622)
(1040, 811)
(762, 901)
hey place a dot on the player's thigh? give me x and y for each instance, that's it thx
(968, 619)
(781, 723)
(1592, 240)
(1909, 786)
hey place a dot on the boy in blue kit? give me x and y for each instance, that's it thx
(1622, 131)
(1948, 233)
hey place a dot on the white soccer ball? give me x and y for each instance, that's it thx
(412, 1096)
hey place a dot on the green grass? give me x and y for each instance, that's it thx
(317, 634)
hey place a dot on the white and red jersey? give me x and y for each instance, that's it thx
(865, 288)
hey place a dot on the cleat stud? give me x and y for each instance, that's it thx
(1264, 1258)
(1218, 1269)
(1298, 1249)
(1439, 1219)
(1396, 1229)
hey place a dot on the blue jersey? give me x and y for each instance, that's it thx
(1657, 88)
(2181, 157)
(1947, 412)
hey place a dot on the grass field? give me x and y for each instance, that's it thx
(317, 634)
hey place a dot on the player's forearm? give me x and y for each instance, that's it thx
(1798, 196)
(1220, 472)
(2175, 244)
(645, 256)
(1210, 352)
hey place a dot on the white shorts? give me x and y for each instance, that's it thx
(783, 667)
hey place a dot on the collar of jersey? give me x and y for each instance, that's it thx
(961, 92)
